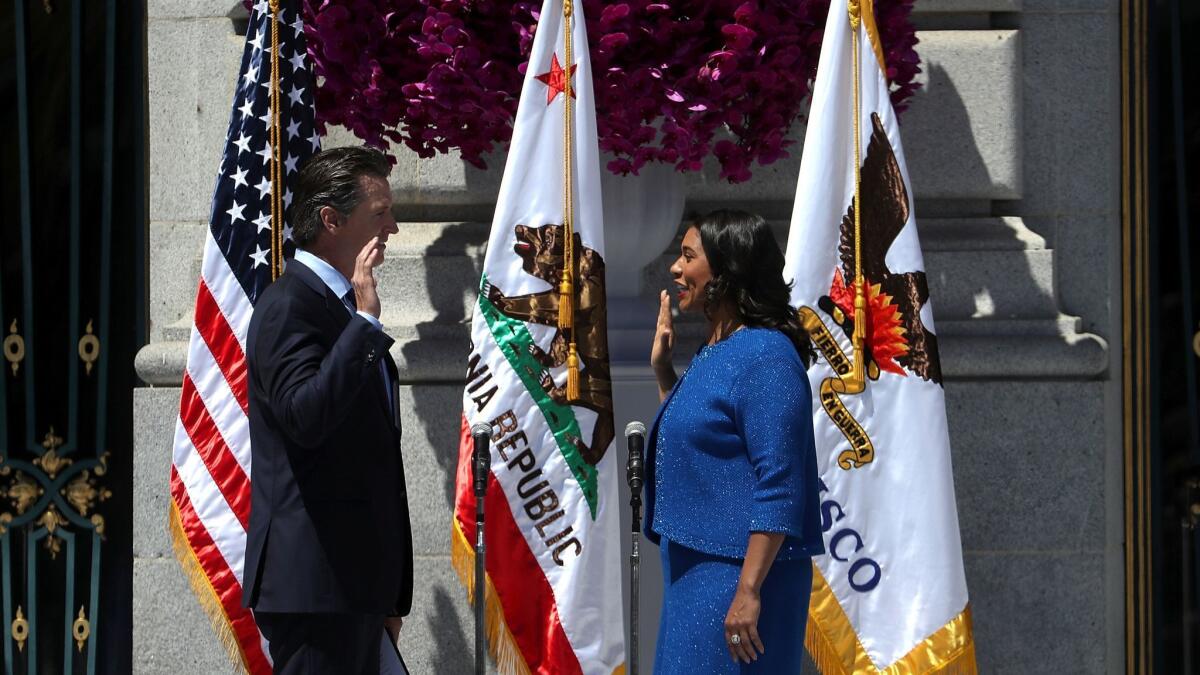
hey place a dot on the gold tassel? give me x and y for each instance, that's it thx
(204, 591)
(566, 302)
(572, 373)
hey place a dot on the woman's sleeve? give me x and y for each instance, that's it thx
(773, 400)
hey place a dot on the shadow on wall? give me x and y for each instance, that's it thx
(454, 654)
(978, 267)
(446, 335)
(939, 144)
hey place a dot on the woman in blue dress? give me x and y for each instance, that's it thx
(731, 467)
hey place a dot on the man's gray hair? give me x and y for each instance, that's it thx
(331, 178)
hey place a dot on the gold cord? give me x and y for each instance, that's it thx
(857, 380)
(274, 141)
(566, 303)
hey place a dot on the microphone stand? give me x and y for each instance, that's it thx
(635, 434)
(481, 466)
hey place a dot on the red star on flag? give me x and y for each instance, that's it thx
(558, 80)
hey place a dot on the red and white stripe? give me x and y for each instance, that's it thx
(210, 464)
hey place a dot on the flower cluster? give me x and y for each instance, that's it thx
(675, 80)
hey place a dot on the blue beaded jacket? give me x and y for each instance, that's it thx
(731, 451)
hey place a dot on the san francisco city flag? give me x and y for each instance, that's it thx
(890, 596)
(538, 375)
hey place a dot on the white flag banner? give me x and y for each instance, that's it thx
(553, 539)
(890, 595)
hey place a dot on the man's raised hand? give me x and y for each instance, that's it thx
(363, 279)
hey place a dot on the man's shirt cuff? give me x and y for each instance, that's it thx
(371, 319)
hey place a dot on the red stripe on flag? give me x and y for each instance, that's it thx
(223, 344)
(525, 594)
(224, 583)
(226, 473)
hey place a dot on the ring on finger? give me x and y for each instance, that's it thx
(735, 639)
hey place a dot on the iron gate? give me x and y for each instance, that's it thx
(71, 316)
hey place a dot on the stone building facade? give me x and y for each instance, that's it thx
(1013, 145)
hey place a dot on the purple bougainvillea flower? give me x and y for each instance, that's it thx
(675, 82)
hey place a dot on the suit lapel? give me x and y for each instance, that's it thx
(341, 315)
(338, 312)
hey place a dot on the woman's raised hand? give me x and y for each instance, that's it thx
(664, 335)
(664, 345)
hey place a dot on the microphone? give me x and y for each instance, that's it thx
(482, 461)
(635, 435)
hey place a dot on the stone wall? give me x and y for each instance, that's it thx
(1013, 147)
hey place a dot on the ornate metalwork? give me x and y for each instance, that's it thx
(52, 520)
(83, 492)
(20, 629)
(98, 524)
(50, 462)
(81, 629)
(23, 492)
(89, 348)
(55, 493)
(14, 348)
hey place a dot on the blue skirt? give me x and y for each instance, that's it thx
(697, 590)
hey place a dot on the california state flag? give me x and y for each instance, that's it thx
(890, 595)
(553, 564)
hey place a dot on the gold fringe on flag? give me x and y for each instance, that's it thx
(203, 589)
(836, 650)
(501, 643)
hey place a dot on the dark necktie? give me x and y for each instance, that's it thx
(350, 301)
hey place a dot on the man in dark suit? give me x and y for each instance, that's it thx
(329, 550)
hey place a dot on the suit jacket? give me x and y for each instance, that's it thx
(329, 524)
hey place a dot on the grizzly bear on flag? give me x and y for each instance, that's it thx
(541, 252)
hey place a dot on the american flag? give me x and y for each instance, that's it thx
(210, 468)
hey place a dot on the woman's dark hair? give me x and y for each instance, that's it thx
(747, 269)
